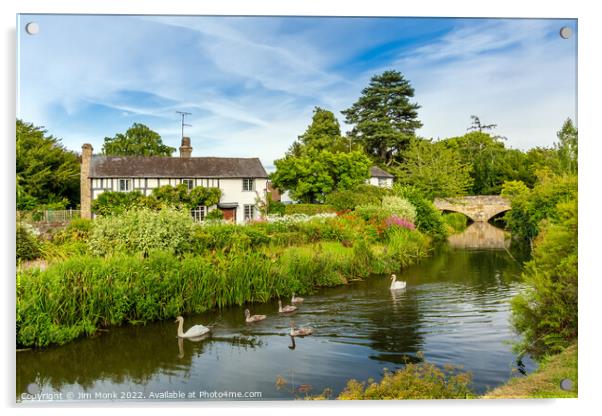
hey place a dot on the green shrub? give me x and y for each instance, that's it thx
(372, 212)
(78, 229)
(141, 231)
(545, 313)
(428, 218)
(344, 200)
(414, 381)
(400, 207)
(27, 244)
(307, 209)
(215, 214)
(276, 208)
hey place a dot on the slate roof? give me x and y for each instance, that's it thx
(376, 172)
(175, 167)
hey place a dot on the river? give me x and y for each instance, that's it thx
(454, 310)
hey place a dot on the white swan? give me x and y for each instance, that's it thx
(253, 318)
(300, 332)
(296, 299)
(193, 332)
(395, 285)
(286, 309)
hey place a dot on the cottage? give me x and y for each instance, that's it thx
(243, 181)
(380, 177)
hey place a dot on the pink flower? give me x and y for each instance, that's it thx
(394, 220)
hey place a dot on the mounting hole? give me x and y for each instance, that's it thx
(32, 28)
(566, 32)
(566, 384)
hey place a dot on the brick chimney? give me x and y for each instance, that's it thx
(85, 184)
(185, 149)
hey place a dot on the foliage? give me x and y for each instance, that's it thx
(383, 119)
(428, 218)
(138, 140)
(362, 194)
(307, 209)
(529, 207)
(215, 214)
(27, 244)
(567, 148)
(435, 169)
(545, 314)
(79, 229)
(324, 133)
(141, 230)
(400, 207)
(114, 203)
(414, 381)
(314, 174)
(46, 172)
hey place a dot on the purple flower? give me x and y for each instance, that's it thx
(396, 221)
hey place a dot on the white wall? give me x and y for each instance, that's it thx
(375, 181)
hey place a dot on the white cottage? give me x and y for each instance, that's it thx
(380, 177)
(243, 181)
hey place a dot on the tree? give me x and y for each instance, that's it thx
(567, 148)
(477, 126)
(47, 173)
(384, 121)
(313, 175)
(324, 133)
(138, 140)
(435, 169)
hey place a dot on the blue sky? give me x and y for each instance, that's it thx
(251, 83)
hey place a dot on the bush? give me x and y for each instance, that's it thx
(545, 314)
(27, 245)
(307, 209)
(78, 229)
(400, 207)
(428, 218)
(215, 214)
(372, 212)
(414, 381)
(141, 231)
(344, 200)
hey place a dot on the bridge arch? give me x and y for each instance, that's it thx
(479, 208)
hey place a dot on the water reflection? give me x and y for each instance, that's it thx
(480, 235)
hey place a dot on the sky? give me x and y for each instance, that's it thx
(251, 83)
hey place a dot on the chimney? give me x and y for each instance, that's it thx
(185, 149)
(85, 185)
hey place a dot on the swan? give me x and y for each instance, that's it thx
(300, 332)
(253, 318)
(296, 299)
(395, 285)
(286, 309)
(193, 332)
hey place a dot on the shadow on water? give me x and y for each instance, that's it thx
(455, 309)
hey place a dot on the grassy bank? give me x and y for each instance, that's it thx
(78, 296)
(545, 382)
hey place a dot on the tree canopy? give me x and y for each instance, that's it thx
(138, 140)
(47, 173)
(324, 133)
(383, 118)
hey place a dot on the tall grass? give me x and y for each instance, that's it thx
(84, 293)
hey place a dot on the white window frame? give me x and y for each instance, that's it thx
(127, 183)
(199, 213)
(189, 183)
(246, 181)
(251, 215)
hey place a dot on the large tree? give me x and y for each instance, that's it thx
(311, 176)
(324, 133)
(567, 148)
(138, 140)
(383, 118)
(434, 169)
(47, 173)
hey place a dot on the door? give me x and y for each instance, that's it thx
(229, 214)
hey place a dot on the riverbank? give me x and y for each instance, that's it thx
(85, 293)
(545, 381)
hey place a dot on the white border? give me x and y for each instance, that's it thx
(589, 149)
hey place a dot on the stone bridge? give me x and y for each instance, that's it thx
(478, 208)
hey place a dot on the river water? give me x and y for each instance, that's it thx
(454, 310)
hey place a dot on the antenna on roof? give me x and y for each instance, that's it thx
(184, 114)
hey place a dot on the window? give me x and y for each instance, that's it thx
(198, 214)
(249, 212)
(189, 183)
(248, 184)
(124, 185)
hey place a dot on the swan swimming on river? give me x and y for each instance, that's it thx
(193, 332)
(397, 285)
